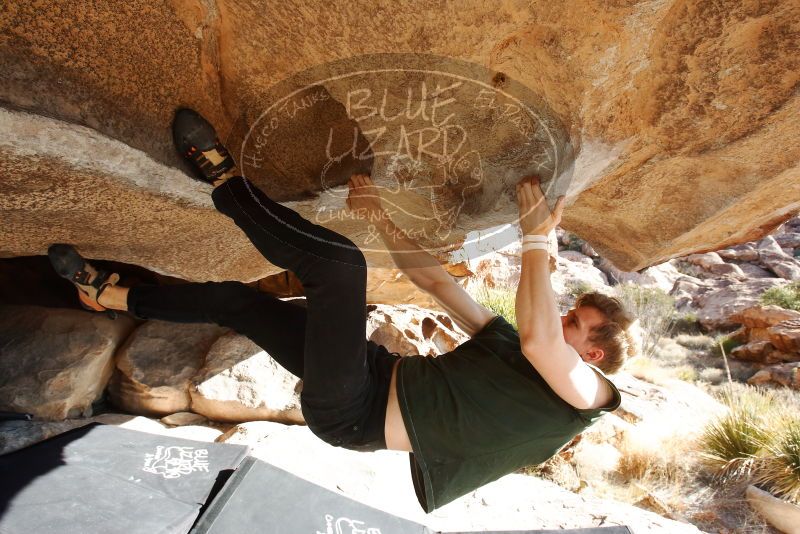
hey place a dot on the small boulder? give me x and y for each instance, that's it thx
(784, 374)
(754, 271)
(54, 363)
(773, 257)
(786, 336)
(241, 382)
(588, 250)
(780, 514)
(788, 240)
(661, 276)
(727, 269)
(746, 252)
(755, 351)
(763, 316)
(706, 261)
(184, 419)
(156, 365)
(576, 256)
(573, 274)
(250, 433)
(716, 301)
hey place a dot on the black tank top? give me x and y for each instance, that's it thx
(480, 412)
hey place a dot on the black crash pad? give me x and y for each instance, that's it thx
(106, 479)
(262, 498)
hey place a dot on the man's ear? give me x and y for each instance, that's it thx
(595, 355)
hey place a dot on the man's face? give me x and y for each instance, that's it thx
(577, 324)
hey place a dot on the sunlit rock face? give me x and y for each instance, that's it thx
(670, 125)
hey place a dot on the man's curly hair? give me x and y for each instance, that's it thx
(618, 336)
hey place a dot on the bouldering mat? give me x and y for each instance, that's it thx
(106, 479)
(262, 498)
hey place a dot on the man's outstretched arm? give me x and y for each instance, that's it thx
(541, 336)
(422, 268)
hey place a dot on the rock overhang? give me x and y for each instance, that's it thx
(667, 160)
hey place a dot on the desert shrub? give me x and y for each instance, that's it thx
(779, 471)
(647, 456)
(687, 373)
(578, 288)
(499, 301)
(689, 269)
(724, 342)
(655, 310)
(787, 296)
(556, 469)
(732, 444)
(687, 323)
(695, 342)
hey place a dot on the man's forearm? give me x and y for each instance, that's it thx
(420, 266)
(538, 317)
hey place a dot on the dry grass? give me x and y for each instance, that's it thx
(654, 309)
(658, 462)
(501, 301)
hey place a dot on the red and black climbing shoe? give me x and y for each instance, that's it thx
(89, 281)
(197, 142)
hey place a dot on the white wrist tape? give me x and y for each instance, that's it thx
(531, 238)
(533, 246)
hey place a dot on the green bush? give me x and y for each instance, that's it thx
(726, 343)
(500, 301)
(779, 471)
(576, 289)
(787, 296)
(655, 310)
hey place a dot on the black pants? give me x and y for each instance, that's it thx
(345, 377)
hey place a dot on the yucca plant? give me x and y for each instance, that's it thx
(732, 443)
(779, 470)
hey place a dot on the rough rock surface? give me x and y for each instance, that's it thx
(770, 334)
(571, 275)
(772, 256)
(643, 401)
(781, 514)
(762, 352)
(662, 276)
(764, 316)
(184, 419)
(784, 374)
(240, 382)
(786, 336)
(410, 330)
(56, 363)
(715, 301)
(677, 120)
(155, 367)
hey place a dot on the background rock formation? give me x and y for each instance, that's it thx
(680, 117)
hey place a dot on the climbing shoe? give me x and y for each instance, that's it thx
(197, 142)
(89, 281)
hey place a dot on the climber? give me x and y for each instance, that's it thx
(502, 400)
